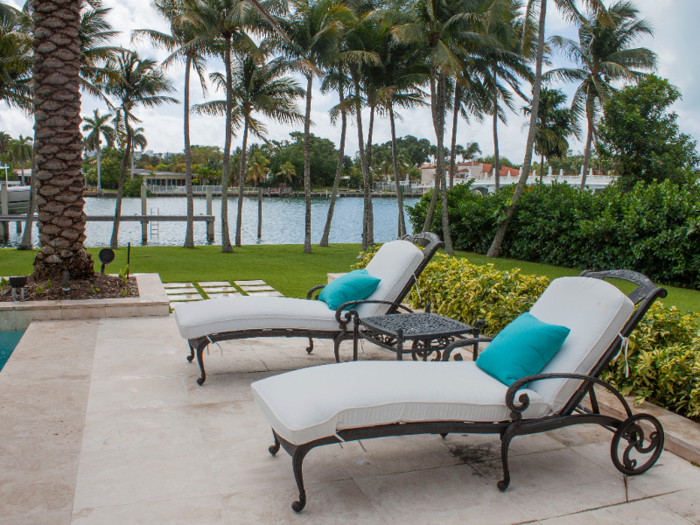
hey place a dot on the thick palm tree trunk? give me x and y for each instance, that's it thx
(338, 174)
(225, 237)
(395, 161)
(189, 232)
(370, 132)
(307, 164)
(26, 243)
(589, 141)
(495, 248)
(61, 185)
(453, 146)
(241, 181)
(114, 243)
(440, 171)
(367, 232)
(496, 152)
(436, 188)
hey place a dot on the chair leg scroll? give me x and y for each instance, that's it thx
(506, 437)
(200, 361)
(274, 449)
(310, 348)
(297, 463)
(631, 430)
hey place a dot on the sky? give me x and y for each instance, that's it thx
(676, 41)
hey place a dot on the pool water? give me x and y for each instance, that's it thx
(8, 341)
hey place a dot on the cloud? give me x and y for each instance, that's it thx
(675, 42)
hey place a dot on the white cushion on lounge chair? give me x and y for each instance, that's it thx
(232, 314)
(314, 403)
(595, 311)
(394, 264)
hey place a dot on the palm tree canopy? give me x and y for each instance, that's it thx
(98, 127)
(555, 124)
(15, 59)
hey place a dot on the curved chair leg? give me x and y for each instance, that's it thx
(191, 356)
(274, 449)
(310, 348)
(200, 360)
(297, 463)
(505, 443)
(336, 349)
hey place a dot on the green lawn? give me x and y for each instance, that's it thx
(284, 267)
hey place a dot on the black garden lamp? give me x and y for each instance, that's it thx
(106, 256)
(18, 282)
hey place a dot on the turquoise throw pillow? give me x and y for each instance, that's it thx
(354, 286)
(523, 348)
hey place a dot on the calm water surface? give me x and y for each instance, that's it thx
(283, 221)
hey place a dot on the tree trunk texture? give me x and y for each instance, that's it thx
(453, 147)
(589, 141)
(395, 160)
(99, 169)
(58, 148)
(114, 243)
(241, 180)
(260, 202)
(367, 232)
(307, 165)
(541, 168)
(189, 231)
(370, 176)
(496, 152)
(495, 248)
(225, 236)
(26, 243)
(338, 174)
(370, 132)
(436, 188)
(440, 171)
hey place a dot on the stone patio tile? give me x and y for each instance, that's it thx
(230, 420)
(44, 369)
(235, 360)
(557, 482)
(116, 366)
(250, 283)
(442, 495)
(41, 399)
(283, 358)
(136, 328)
(41, 435)
(257, 288)
(125, 429)
(213, 283)
(50, 518)
(205, 510)
(121, 477)
(219, 289)
(476, 448)
(175, 292)
(168, 286)
(130, 347)
(645, 512)
(223, 295)
(581, 435)
(152, 392)
(38, 484)
(331, 503)
(686, 503)
(273, 293)
(223, 387)
(185, 297)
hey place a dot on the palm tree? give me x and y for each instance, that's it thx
(471, 151)
(134, 82)
(257, 172)
(60, 189)
(15, 59)
(21, 150)
(95, 33)
(259, 87)
(313, 31)
(185, 45)
(554, 126)
(98, 127)
(224, 22)
(5, 139)
(288, 170)
(138, 139)
(569, 10)
(603, 54)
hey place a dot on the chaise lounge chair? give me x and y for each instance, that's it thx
(360, 400)
(398, 264)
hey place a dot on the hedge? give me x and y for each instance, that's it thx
(653, 229)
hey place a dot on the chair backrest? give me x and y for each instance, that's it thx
(398, 264)
(598, 315)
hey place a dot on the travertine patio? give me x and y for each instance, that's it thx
(101, 422)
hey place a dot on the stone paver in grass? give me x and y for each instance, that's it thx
(262, 288)
(185, 297)
(168, 286)
(222, 295)
(250, 283)
(219, 289)
(213, 283)
(271, 293)
(178, 291)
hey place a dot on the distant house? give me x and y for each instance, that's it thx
(465, 171)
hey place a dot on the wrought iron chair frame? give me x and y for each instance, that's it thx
(344, 332)
(630, 429)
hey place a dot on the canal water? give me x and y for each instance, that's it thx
(283, 221)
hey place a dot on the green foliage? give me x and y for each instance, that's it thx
(111, 168)
(664, 362)
(48, 284)
(653, 229)
(123, 273)
(640, 133)
(324, 159)
(132, 187)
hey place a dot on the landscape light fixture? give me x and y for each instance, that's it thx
(18, 282)
(106, 256)
(66, 281)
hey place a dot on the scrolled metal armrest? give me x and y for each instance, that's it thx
(349, 313)
(310, 293)
(524, 399)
